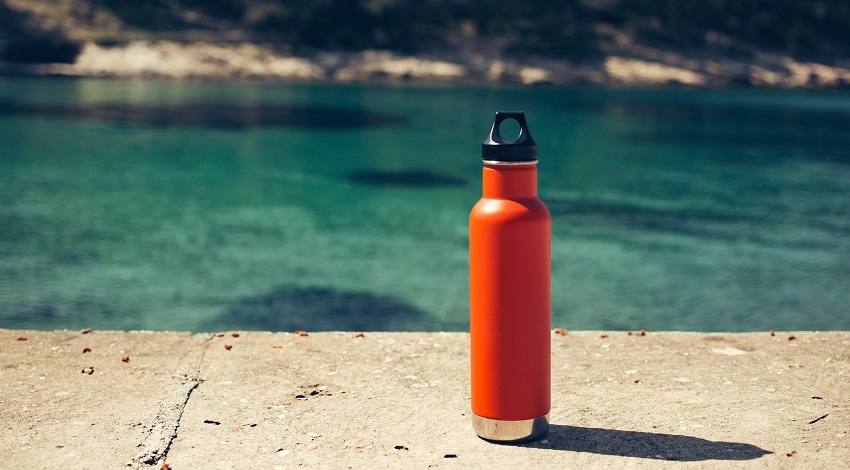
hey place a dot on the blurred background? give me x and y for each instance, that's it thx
(277, 165)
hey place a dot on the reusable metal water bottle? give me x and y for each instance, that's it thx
(510, 292)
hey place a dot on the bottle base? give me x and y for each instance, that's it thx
(498, 430)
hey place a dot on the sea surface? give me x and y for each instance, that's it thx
(204, 206)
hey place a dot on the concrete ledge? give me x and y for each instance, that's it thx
(335, 400)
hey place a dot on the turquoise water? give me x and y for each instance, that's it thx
(212, 206)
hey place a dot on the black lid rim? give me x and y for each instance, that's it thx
(517, 163)
(509, 153)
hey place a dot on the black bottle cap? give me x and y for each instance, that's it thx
(497, 149)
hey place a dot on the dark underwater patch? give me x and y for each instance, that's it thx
(700, 223)
(625, 211)
(653, 109)
(405, 178)
(813, 145)
(290, 308)
(817, 134)
(634, 217)
(213, 115)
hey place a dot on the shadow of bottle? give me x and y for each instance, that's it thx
(644, 445)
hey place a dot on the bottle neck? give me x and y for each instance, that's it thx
(510, 181)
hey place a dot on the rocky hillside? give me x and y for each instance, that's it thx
(690, 42)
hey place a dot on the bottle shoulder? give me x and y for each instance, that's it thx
(510, 208)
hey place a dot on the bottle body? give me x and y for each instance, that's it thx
(510, 305)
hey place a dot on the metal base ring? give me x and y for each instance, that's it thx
(510, 431)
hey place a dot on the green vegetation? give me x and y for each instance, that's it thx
(582, 29)
(21, 41)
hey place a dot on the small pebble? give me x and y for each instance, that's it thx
(85, 331)
(545, 442)
(88, 370)
(21, 338)
(235, 335)
(125, 359)
(228, 347)
(86, 350)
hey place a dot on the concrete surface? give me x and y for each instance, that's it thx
(399, 400)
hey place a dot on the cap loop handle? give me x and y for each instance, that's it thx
(495, 148)
(496, 131)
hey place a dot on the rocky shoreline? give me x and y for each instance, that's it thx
(646, 68)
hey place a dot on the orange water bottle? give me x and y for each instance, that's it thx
(510, 292)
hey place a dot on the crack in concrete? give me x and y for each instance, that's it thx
(163, 430)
